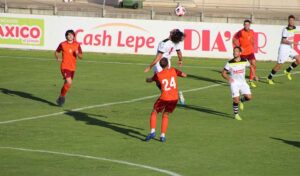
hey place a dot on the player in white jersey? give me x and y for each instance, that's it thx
(286, 50)
(166, 49)
(236, 68)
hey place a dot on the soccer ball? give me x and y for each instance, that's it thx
(180, 11)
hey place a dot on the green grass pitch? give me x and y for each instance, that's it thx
(101, 128)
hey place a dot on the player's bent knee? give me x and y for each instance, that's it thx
(248, 97)
(69, 81)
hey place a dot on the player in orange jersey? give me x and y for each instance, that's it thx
(167, 101)
(71, 50)
(245, 39)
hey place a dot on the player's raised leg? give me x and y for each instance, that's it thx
(243, 99)
(275, 69)
(291, 67)
(181, 98)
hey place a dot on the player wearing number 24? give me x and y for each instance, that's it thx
(167, 101)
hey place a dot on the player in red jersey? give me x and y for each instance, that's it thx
(71, 50)
(167, 101)
(245, 39)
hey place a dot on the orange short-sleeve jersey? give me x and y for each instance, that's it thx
(69, 54)
(246, 40)
(168, 81)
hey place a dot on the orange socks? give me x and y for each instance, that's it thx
(153, 120)
(65, 89)
(164, 123)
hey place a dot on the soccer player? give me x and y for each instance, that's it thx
(165, 49)
(236, 67)
(71, 50)
(286, 50)
(245, 39)
(168, 99)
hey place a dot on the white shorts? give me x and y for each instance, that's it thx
(239, 88)
(285, 52)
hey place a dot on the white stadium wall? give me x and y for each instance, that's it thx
(213, 40)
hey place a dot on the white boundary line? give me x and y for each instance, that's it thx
(96, 158)
(103, 105)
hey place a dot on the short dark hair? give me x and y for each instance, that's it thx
(163, 62)
(176, 36)
(247, 21)
(70, 31)
(291, 16)
(237, 47)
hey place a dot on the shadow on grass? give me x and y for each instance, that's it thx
(293, 143)
(117, 127)
(25, 95)
(205, 110)
(202, 78)
(264, 80)
(217, 71)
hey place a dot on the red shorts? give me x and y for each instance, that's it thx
(166, 106)
(249, 56)
(67, 73)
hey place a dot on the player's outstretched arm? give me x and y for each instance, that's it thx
(157, 58)
(180, 73)
(180, 60)
(184, 75)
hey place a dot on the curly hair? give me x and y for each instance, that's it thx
(176, 36)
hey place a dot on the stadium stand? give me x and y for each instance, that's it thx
(229, 11)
